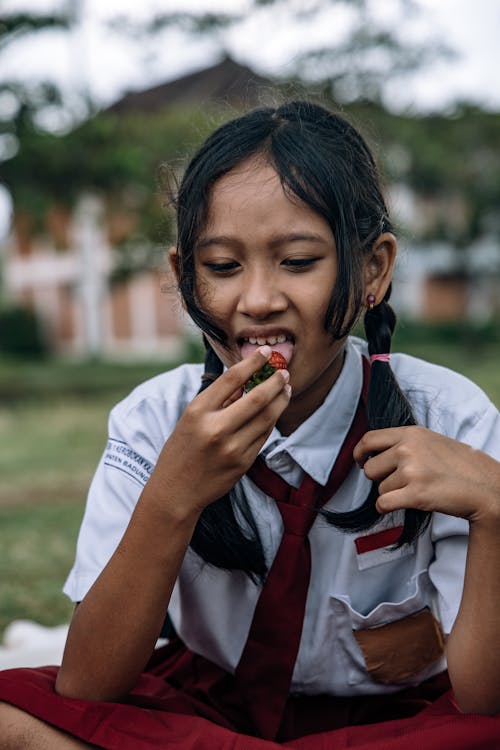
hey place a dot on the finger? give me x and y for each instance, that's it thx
(376, 441)
(258, 433)
(378, 467)
(391, 483)
(263, 405)
(233, 397)
(222, 389)
(398, 499)
(245, 444)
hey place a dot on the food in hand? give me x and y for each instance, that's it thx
(275, 362)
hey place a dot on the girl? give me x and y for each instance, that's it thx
(320, 555)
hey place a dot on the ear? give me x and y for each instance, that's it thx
(173, 260)
(379, 266)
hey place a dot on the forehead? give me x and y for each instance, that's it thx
(251, 196)
(248, 181)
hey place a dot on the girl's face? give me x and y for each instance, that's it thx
(265, 267)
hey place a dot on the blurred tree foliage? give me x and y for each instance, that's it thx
(21, 102)
(130, 161)
(451, 160)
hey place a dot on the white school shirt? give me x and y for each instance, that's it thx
(350, 588)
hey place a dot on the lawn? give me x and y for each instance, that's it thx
(52, 431)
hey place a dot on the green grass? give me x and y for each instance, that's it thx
(48, 448)
(36, 551)
(53, 423)
(52, 431)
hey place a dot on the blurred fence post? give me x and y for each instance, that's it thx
(92, 251)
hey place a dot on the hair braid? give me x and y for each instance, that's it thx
(387, 407)
(387, 404)
(218, 537)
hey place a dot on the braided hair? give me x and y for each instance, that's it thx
(322, 160)
(387, 406)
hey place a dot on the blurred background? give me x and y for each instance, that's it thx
(101, 104)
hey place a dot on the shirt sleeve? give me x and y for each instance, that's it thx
(126, 464)
(480, 428)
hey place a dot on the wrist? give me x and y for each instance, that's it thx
(487, 519)
(487, 491)
(167, 506)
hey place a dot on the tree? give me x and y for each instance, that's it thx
(21, 101)
(352, 64)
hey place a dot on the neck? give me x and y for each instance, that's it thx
(305, 403)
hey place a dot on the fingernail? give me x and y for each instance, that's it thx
(285, 375)
(265, 351)
(288, 390)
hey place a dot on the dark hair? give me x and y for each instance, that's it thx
(321, 159)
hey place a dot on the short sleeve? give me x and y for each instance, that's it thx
(124, 468)
(481, 430)
(137, 430)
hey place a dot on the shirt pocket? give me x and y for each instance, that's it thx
(381, 646)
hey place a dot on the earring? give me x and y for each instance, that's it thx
(370, 301)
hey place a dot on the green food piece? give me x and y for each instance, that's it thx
(258, 377)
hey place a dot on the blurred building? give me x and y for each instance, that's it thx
(66, 271)
(434, 280)
(81, 309)
(227, 82)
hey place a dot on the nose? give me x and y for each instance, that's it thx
(261, 296)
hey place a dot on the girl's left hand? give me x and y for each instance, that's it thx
(421, 469)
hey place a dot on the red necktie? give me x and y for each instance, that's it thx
(264, 672)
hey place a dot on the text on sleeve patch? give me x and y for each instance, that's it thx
(122, 457)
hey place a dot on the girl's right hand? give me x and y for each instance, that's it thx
(218, 437)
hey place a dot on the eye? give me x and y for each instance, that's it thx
(222, 267)
(299, 264)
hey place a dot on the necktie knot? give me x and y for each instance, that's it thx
(297, 519)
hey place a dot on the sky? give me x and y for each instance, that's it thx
(94, 59)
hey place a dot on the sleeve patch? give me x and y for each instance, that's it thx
(121, 456)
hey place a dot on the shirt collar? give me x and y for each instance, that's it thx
(315, 444)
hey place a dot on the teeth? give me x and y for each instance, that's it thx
(271, 340)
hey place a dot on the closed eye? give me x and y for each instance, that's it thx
(225, 267)
(299, 264)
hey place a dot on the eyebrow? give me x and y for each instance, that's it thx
(280, 239)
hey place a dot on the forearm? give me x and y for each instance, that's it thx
(473, 649)
(114, 629)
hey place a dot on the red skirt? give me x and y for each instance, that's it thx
(184, 702)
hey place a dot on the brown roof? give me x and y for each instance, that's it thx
(227, 82)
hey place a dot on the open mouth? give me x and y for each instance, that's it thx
(282, 343)
(270, 340)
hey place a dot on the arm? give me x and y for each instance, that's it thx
(417, 468)
(115, 627)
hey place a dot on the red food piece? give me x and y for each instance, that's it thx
(275, 362)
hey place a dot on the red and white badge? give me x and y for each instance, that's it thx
(378, 548)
